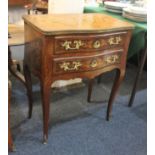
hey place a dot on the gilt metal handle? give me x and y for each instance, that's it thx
(70, 66)
(97, 44)
(94, 63)
(112, 59)
(68, 45)
(114, 40)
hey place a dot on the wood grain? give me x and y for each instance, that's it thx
(66, 51)
(76, 23)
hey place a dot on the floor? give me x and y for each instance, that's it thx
(78, 127)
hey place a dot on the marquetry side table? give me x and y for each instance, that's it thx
(62, 47)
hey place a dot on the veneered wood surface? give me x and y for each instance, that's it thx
(47, 57)
(88, 42)
(76, 23)
(86, 62)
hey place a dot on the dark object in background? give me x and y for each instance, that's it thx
(9, 36)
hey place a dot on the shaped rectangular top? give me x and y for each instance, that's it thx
(75, 23)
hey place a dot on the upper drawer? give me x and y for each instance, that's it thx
(88, 43)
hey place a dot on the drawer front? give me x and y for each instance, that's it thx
(87, 63)
(88, 43)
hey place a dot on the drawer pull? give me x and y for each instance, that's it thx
(69, 66)
(97, 44)
(112, 59)
(115, 40)
(77, 44)
(94, 63)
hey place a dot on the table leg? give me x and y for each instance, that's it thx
(28, 83)
(90, 87)
(140, 69)
(118, 79)
(18, 75)
(11, 147)
(99, 78)
(10, 141)
(45, 93)
(21, 78)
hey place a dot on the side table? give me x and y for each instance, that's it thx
(62, 47)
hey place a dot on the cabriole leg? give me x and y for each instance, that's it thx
(28, 84)
(45, 93)
(118, 79)
(90, 87)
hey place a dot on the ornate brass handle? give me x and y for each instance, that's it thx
(97, 44)
(94, 63)
(115, 40)
(112, 59)
(77, 44)
(69, 66)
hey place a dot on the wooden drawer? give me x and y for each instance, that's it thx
(86, 63)
(91, 43)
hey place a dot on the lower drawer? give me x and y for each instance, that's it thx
(85, 63)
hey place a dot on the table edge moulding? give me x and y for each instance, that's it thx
(63, 47)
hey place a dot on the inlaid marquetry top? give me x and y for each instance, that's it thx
(76, 23)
